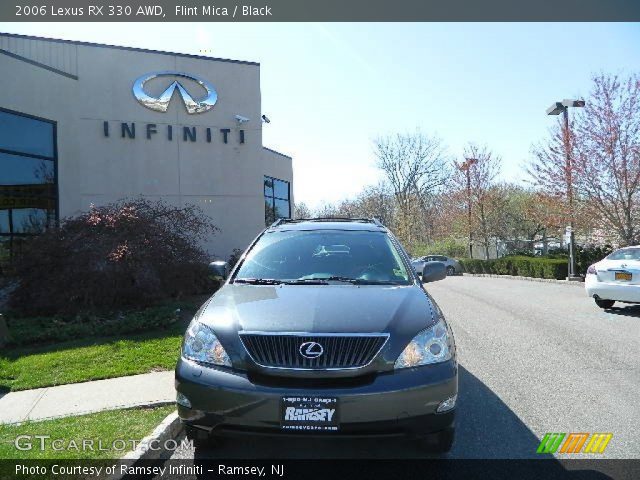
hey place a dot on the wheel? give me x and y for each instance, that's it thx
(451, 271)
(440, 442)
(604, 303)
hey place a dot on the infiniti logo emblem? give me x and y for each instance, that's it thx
(161, 102)
(311, 350)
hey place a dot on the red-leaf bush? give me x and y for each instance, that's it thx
(128, 253)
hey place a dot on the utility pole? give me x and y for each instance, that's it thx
(556, 109)
(466, 168)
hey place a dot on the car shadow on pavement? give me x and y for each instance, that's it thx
(629, 311)
(486, 428)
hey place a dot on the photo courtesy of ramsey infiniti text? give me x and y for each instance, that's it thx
(322, 328)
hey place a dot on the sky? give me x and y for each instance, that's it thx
(330, 89)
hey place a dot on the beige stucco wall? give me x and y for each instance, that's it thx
(225, 180)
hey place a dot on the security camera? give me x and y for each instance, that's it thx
(240, 119)
(265, 119)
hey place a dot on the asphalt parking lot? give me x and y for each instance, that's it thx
(534, 358)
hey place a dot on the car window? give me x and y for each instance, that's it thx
(625, 254)
(294, 255)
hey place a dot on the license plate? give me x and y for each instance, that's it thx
(623, 276)
(309, 413)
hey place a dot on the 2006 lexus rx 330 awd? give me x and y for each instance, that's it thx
(322, 328)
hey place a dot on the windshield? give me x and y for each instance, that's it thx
(369, 257)
(625, 254)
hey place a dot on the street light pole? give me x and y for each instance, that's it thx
(466, 168)
(556, 109)
(569, 169)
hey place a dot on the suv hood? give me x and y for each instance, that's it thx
(402, 310)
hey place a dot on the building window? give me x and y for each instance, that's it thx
(28, 178)
(276, 199)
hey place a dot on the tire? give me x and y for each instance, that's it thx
(604, 303)
(450, 271)
(440, 442)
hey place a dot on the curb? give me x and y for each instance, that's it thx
(168, 429)
(78, 413)
(529, 279)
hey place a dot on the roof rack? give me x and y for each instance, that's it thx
(373, 220)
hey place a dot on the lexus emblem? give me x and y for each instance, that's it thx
(161, 102)
(311, 350)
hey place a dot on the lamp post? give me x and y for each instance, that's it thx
(556, 109)
(466, 168)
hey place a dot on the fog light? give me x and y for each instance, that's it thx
(447, 405)
(181, 399)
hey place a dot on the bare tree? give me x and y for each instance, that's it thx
(301, 210)
(607, 141)
(376, 201)
(476, 178)
(530, 216)
(415, 167)
(604, 172)
(328, 210)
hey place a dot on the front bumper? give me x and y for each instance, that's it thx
(620, 292)
(393, 403)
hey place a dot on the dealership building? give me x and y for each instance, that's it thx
(84, 124)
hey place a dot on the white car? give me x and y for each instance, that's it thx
(616, 278)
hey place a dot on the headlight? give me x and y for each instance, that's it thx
(432, 345)
(202, 345)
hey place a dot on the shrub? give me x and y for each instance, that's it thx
(518, 265)
(61, 328)
(126, 253)
(587, 255)
(521, 252)
(449, 247)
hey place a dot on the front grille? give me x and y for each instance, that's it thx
(339, 350)
(314, 382)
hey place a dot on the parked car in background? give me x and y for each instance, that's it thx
(451, 264)
(616, 278)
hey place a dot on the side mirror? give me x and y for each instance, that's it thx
(219, 270)
(433, 271)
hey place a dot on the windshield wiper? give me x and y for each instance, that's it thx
(335, 278)
(307, 281)
(362, 281)
(312, 281)
(259, 281)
